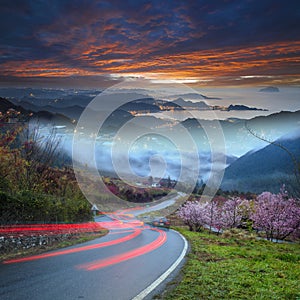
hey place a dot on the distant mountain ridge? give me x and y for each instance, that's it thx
(194, 96)
(185, 103)
(72, 112)
(270, 89)
(243, 107)
(43, 116)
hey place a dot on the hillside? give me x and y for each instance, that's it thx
(5, 105)
(265, 169)
(43, 116)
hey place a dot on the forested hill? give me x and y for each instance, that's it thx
(43, 116)
(5, 105)
(265, 169)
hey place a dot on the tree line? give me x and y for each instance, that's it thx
(275, 216)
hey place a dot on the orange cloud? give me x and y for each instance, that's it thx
(277, 60)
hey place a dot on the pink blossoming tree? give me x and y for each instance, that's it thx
(214, 214)
(229, 214)
(193, 215)
(277, 215)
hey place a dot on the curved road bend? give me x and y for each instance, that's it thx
(115, 267)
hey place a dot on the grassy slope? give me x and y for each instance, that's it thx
(237, 267)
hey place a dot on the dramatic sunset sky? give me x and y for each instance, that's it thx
(205, 43)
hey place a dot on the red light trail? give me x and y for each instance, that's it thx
(127, 255)
(135, 233)
(53, 228)
(131, 227)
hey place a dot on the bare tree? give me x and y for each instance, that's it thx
(39, 152)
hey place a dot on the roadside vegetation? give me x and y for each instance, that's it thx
(41, 205)
(235, 265)
(273, 216)
(239, 248)
(34, 188)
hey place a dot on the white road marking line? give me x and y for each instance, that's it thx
(160, 279)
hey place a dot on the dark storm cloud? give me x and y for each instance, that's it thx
(65, 38)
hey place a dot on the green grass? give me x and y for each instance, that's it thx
(237, 267)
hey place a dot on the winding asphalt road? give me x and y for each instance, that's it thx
(119, 266)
